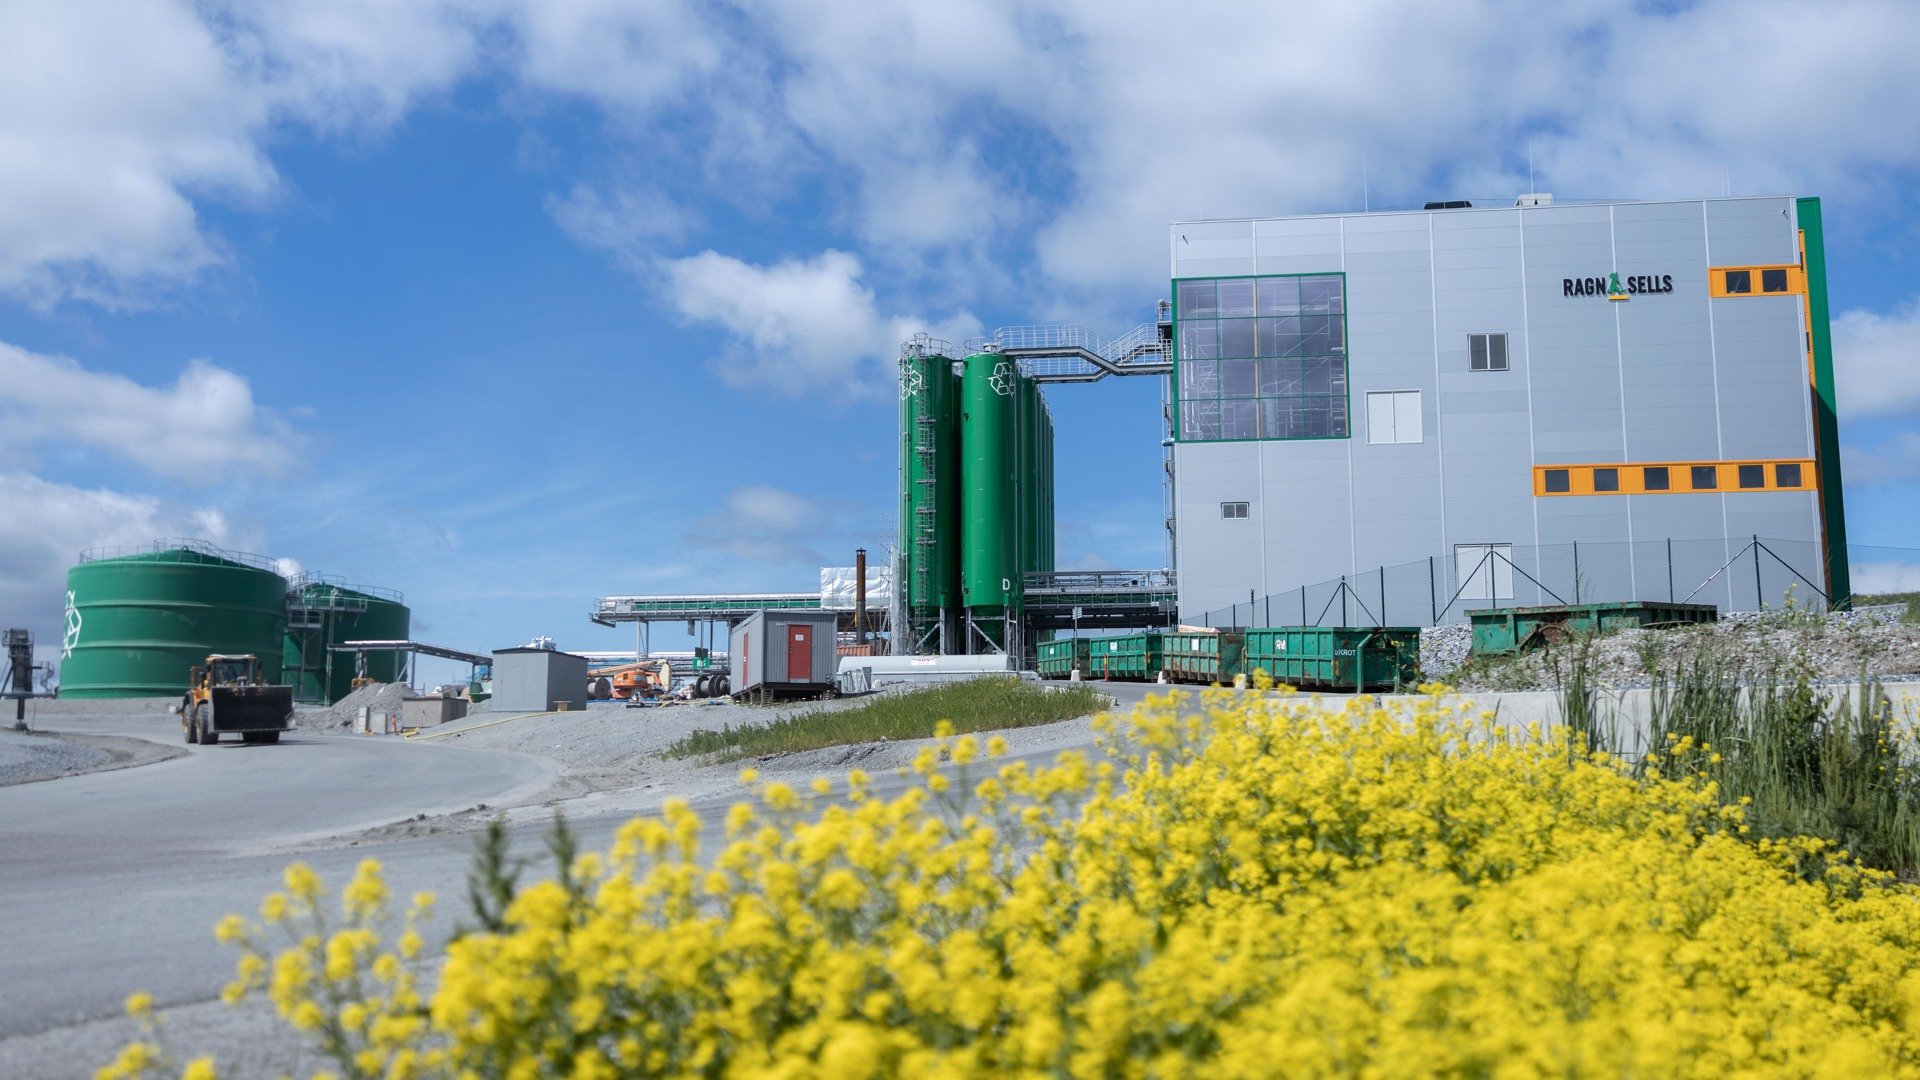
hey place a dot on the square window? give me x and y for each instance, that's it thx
(1198, 300)
(1706, 477)
(1200, 379)
(1487, 352)
(1277, 296)
(1199, 341)
(1321, 295)
(1236, 511)
(1739, 281)
(1753, 476)
(1278, 336)
(1237, 419)
(1606, 479)
(1787, 475)
(1655, 478)
(1558, 481)
(1236, 298)
(1236, 338)
(1237, 378)
(1773, 281)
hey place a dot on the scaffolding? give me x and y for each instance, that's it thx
(316, 604)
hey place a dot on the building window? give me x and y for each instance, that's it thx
(1483, 571)
(1739, 282)
(1393, 416)
(1773, 281)
(1786, 475)
(1487, 352)
(1606, 479)
(1261, 358)
(1706, 477)
(1559, 481)
(1655, 478)
(1235, 511)
(1753, 476)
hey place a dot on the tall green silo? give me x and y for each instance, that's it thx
(930, 482)
(1044, 476)
(1029, 488)
(989, 532)
(323, 613)
(137, 623)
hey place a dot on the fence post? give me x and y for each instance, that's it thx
(1576, 571)
(1433, 594)
(1669, 569)
(1759, 597)
(1344, 621)
(1383, 596)
(1303, 605)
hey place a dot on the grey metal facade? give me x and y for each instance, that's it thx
(759, 652)
(538, 680)
(1665, 376)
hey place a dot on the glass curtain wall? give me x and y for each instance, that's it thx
(1262, 357)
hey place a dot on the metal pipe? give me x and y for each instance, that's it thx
(860, 596)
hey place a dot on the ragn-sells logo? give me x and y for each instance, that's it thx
(71, 635)
(1615, 287)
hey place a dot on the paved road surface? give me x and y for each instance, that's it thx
(113, 881)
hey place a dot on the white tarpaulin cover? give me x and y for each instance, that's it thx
(837, 586)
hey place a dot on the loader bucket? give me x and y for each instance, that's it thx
(252, 708)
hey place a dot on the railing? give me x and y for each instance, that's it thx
(1732, 573)
(186, 546)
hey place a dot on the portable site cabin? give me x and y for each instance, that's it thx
(784, 654)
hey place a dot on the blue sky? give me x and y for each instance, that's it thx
(509, 305)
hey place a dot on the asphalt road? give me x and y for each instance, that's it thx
(112, 882)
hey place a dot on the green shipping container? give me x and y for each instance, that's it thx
(1503, 631)
(989, 534)
(1061, 657)
(1201, 656)
(138, 623)
(1350, 658)
(929, 482)
(1131, 656)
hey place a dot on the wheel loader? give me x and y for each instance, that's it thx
(226, 694)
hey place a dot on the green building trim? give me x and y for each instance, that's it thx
(1833, 517)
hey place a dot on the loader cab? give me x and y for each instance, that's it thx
(233, 671)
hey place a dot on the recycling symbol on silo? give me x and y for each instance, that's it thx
(911, 382)
(1003, 379)
(71, 636)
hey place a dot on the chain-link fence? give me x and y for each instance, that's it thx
(1733, 574)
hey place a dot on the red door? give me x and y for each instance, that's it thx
(799, 654)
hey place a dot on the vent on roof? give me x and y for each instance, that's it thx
(1450, 204)
(1535, 198)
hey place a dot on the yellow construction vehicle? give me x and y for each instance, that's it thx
(227, 694)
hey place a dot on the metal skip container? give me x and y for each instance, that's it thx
(784, 654)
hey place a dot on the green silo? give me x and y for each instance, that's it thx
(1028, 490)
(137, 623)
(1044, 477)
(930, 482)
(990, 538)
(322, 613)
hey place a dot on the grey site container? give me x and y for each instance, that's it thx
(538, 680)
(784, 654)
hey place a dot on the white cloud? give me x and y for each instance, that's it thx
(1895, 461)
(1885, 577)
(1876, 360)
(801, 326)
(47, 525)
(204, 429)
(628, 223)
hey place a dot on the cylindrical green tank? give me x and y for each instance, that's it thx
(1045, 478)
(138, 623)
(326, 613)
(1029, 483)
(930, 482)
(990, 538)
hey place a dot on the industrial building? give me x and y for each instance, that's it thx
(1363, 390)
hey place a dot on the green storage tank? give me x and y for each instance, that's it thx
(929, 482)
(990, 536)
(138, 621)
(322, 613)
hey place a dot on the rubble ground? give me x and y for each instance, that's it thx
(1875, 641)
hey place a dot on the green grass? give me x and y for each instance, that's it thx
(1908, 600)
(975, 705)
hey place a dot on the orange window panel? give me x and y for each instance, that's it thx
(1673, 477)
(1725, 282)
